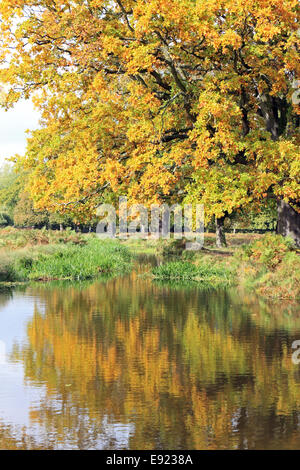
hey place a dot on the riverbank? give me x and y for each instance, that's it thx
(40, 255)
(266, 264)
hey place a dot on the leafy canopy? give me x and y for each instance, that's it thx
(160, 100)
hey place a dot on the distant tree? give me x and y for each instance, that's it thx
(256, 218)
(26, 216)
(11, 184)
(57, 220)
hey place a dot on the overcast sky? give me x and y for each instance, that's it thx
(13, 126)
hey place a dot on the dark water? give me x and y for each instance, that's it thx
(131, 364)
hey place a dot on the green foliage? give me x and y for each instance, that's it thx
(5, 219)
(7, 272)
(204, 272)
(271, 266)
(176, 270)
(66, 261)
(70, 262)
(10, 186)
(56, 219)
(262, 218)
(17, 207)
(26, 216)
(171, 247)
(268, 251)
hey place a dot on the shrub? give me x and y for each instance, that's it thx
(5, 219)
(268, 251)
(271, 266)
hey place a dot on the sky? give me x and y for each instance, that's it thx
(13, 126)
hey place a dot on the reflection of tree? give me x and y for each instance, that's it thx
(12, 439)
(184, 369)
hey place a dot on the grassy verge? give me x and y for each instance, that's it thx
(68, 261)
(171, 247)
(13, 239)
(271, 266)
(141, 247)
(204, 273)
(268, 264)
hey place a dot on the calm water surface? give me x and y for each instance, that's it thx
(131, 364)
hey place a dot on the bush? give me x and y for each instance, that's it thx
(271, 266)
(284, 281)
(7, 271)
(5, 219)
(268, 251)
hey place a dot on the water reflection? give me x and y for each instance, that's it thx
(128, 363)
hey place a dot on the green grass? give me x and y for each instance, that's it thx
(137, 247)
(68, 261)
(266, 264)
(12, 260)
(205, 272)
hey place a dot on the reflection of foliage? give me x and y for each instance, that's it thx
(190, 369)
(9, 441)
(5, 295)
(270, 314)
(181, 284)
(197, 339)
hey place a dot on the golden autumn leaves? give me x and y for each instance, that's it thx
(157, 100)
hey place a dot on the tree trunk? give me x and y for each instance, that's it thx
(288, 223)
(220, 233)
(61, 227)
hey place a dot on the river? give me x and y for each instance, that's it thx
(129, 363)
